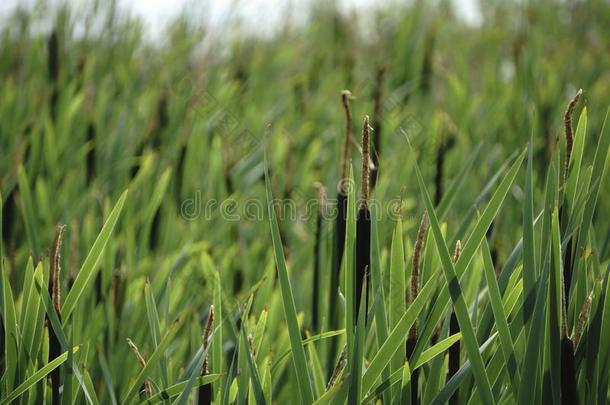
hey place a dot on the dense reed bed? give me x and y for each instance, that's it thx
(162, 241)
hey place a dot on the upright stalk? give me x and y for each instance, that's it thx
(363, 227)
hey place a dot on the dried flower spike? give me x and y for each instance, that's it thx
(207, 331)
(567, 122)
(345, 96)
(142, 361)
(417, 251)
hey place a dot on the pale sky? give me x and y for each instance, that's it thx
(156, 13)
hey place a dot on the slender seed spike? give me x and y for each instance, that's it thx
(207, 331)
(142, 361)
(366, 167)
(567, 122)
(136, 351)
(564, 315)
(56, 268)
(412, 336)
(55, 291)
(205, 391)
(417, 251)
(582, 318)
(338, 368)
(345, 96)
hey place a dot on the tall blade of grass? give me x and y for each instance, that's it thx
(298, 353)
(576, 160)
(381, 327)
(599, 170)
(443, 396)
(27, 207)
(254, 375)
(437, 349)
(469, 249)
(72, 367)
(107, 375)
(356, 358)
(501, 322)
(349, 264)
(316, 367)
(176, 389)
(89, 384)
(529, 373)
(427, 356)
(195, 372)
(37, 376)
(311, 339)
(455, 291)
(554, 356)
(396, 338)
(217, 364)
(30, 309)
(152, 362)
(155, 328)
(89, 267)
(529, 264)
(397, 287)
(11, 334)
(601, 368)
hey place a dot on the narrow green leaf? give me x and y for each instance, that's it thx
(455, 291)
(152, 361)
(396, 338)
(89, 267)
(37, 376)
(176, 389)
(298, 353)
(27, 206)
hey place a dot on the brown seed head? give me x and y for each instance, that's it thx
(207, 331)
(582, 318)
(345, 96)
(338, 368)
(417, 251)
(567, 122)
